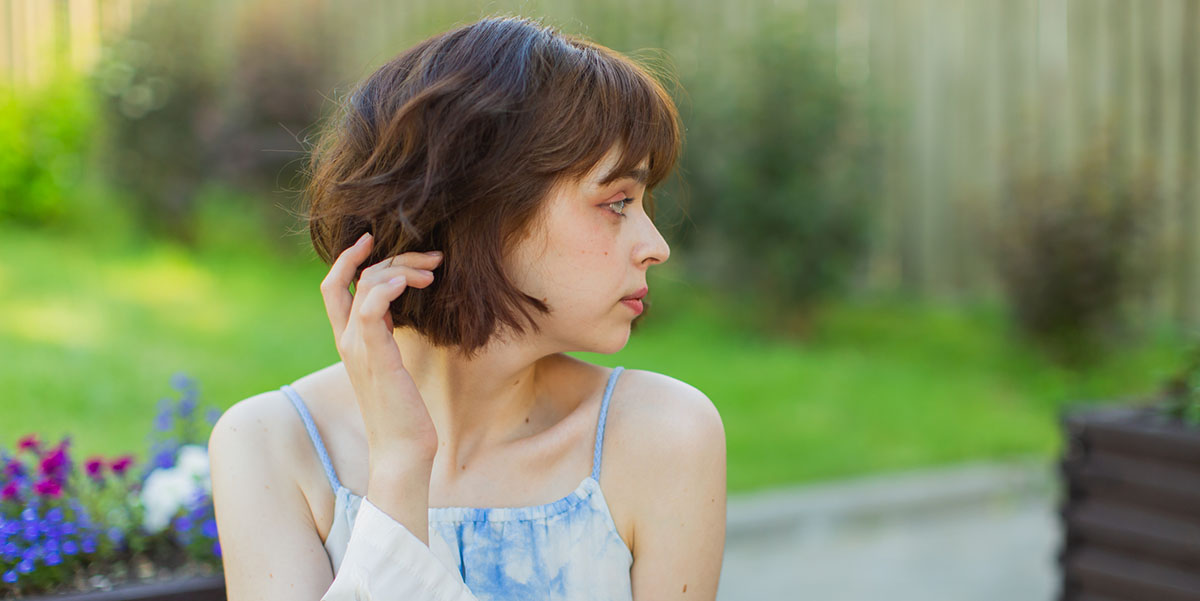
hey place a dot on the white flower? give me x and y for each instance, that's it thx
(167, 490)
(193, 459)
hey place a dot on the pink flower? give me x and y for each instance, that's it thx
(54, 463)
(48, 487)
(95, 468)
(29, 442)
(121, 464)
(9, 491)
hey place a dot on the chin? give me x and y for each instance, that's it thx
(613, 342)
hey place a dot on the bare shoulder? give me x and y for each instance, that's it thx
(263, 518)
(665, 455)
(266, 424)
(658, 409)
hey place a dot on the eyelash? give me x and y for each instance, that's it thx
(625, 200)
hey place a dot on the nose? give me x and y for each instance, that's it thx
(652, 248)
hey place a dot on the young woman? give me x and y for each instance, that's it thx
(455, 452)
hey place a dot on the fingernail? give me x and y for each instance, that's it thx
(434, 253)
(425, 271)
(363, 238)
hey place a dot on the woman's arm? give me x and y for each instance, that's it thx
(269, 543)
(679, 524)
(265, 516)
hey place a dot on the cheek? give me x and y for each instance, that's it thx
(580, 262)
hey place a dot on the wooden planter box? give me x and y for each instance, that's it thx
(206, 588)
(1131, 506)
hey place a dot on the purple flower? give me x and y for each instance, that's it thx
(48, 487)
(216, 548)
(9, 491)
(10, 576)
(14, 469)
(212, 416)
(26, 566)
(164, 458)
(187, 405)
(89, 544)
(162, 422)
(69, 547)
(181, 381)
(209, 529)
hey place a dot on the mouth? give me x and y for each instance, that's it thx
(639, 295)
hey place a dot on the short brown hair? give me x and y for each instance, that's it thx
(454, 145)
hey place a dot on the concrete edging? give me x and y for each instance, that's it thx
(814, 509)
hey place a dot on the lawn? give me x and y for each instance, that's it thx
(92, 330)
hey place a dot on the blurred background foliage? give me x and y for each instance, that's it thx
(898, 239)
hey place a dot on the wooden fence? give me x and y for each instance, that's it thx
(981, 89)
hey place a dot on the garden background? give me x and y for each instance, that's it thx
(904, 233)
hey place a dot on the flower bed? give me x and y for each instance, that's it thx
(110, 528)
(1131, 509)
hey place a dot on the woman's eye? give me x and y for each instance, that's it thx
(624, 202)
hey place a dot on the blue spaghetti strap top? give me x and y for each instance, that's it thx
(567, 549)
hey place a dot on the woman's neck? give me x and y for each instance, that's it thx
(500, 395)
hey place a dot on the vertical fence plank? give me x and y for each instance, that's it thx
(1189, 149)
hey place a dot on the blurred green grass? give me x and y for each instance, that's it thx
(93, 327)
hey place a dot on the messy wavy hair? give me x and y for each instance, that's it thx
(454, 145)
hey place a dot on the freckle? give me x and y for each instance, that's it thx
(464, 466)
(685, 588)
(527, 420)
(606, 253)
(270, 574)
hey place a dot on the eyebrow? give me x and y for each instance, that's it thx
(637, 174)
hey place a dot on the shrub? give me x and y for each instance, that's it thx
(1070, 247)
(781, 173)
(160, 111)
(45, 135)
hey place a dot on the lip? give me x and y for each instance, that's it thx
(639, 295)
(634, 304)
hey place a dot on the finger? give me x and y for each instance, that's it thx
(417, 260)
(335, 288)
(417, 278)
(381, 272)
(372, 315)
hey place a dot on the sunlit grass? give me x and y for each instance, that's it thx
(91, 334)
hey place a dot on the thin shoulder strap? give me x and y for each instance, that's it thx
(612, 382)
(311, 426)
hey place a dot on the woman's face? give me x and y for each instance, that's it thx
(586, 257)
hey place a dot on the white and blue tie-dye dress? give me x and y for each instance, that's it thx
(568, 549)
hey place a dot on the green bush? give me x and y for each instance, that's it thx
(1070, 248)
(45, 135)
(161, 113)
(781, 173)
(285, 66)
